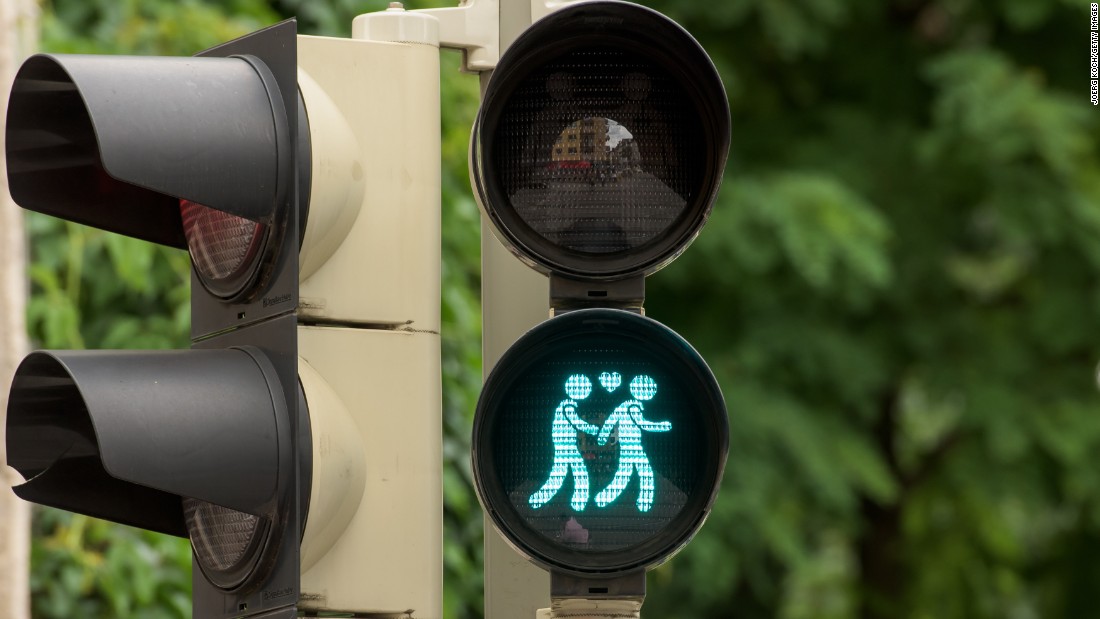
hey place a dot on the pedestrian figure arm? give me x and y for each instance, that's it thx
(608, 426)
(645, 424)
(578, 423)
(659, 426)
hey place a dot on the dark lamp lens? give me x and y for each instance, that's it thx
(601, 141)
(226, 542)
(224, 248)
(604, 142)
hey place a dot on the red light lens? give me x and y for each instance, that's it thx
(224, 248)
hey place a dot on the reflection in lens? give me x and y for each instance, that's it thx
(595, 195)
(224, 540)
(223, 247)
(598, 144)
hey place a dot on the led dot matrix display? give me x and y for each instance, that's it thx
(599, 441)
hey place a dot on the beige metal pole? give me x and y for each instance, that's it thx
(514, 298)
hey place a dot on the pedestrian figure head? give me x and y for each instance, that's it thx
(643, 388)
(578, 386)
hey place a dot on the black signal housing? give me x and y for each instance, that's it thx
(600, 142)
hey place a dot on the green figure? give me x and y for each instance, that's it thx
(628, 416)
(566, 453)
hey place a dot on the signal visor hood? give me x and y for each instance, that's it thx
(123, 435)
(116, 142)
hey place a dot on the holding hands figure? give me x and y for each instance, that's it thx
(629, 418)
(566, 453)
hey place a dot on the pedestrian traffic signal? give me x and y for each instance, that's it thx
(599, 442)
(600, 436)
(255, 156)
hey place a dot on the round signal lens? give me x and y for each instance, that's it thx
(227, 543)
(226, 250)
(601, 141)
(599, 442)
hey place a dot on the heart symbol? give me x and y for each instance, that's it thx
(611, 380)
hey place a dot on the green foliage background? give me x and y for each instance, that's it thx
(897, 289)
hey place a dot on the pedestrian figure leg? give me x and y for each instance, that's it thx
(580, 482)
(645, 475)
(557, 477)
(618, 483)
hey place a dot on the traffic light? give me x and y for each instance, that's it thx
(299, 438)
(600, 436)
(197, 153)
(598, 442)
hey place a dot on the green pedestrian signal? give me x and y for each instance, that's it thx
(599, 442)
(567, 454)
(628, 417)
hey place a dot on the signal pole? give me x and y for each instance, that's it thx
(513, 299)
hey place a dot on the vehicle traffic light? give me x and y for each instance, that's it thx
(300, 435)
(600, 436)
(197, 153)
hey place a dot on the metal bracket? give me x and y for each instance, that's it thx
(283, 613)
(567, 294)
(592, 609)
(472, 27)
(542, 8)
(576, 597)
(629, 586)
